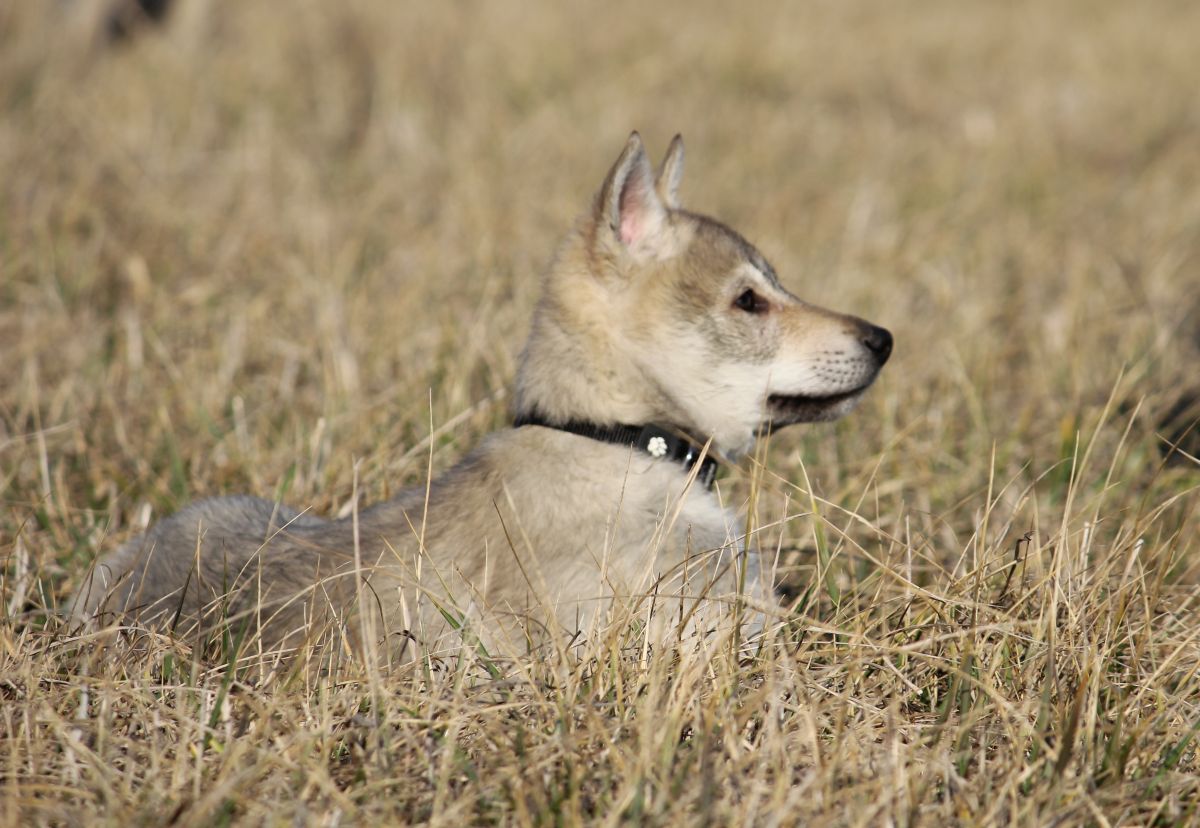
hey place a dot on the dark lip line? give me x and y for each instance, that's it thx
(802, 399)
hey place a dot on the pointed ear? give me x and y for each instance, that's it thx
(629, 205)
(670, 174)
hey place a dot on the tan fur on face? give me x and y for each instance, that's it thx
(676, 349)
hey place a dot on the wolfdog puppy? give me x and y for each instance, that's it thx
(663, 341)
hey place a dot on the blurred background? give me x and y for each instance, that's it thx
(245, 245)
(292, 249)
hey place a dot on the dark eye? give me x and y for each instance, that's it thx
(751, 302)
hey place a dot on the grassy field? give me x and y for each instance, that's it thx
(267, 250)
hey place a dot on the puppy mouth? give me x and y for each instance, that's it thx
(787, 409)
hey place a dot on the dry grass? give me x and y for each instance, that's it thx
(258, 247)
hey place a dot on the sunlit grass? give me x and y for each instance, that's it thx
(294, 253)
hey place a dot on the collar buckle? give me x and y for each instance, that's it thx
(653, 439)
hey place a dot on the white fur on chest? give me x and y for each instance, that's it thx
(602, 521)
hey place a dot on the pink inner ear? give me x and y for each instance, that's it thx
(633, 209)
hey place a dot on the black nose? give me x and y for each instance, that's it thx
(878, 341)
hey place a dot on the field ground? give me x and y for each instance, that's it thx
(258, 250)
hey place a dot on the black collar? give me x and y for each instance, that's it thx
(655, 440)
